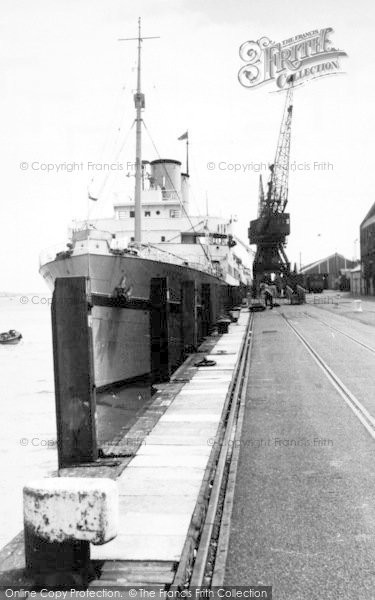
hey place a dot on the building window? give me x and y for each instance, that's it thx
(158, 212)
(132, 214)
(121, 214)
(163, 238)
(173, 213)
(147, 213)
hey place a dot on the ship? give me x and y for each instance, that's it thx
(153, 235)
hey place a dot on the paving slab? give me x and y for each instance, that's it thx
(169, 474)
(167, 504)
(175, 440)
(160, 450)
(185, 429)
(152, 523)
(175, 460)
(204, 384)
(191, 406)
(191, 417)
(191, 391)
(159, 487)
(136, 547)
(208, 376)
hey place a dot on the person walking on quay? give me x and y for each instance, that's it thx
(268, 295)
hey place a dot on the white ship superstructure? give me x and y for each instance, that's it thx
(169, 232)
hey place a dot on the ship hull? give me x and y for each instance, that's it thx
(121, 337)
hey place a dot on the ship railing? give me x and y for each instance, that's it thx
(53, 252)
(148, 251)
(170, 195)
(152, 252)
(203, 266)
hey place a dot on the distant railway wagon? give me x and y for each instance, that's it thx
(315, 282)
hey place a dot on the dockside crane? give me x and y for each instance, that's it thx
(272, 226)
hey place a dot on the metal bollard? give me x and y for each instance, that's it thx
(235, 314)
(222, 325)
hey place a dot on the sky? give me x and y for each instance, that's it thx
(66, 90)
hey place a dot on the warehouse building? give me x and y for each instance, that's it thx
(332, 267)
(367, 241)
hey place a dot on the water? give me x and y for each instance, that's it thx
(27, 410)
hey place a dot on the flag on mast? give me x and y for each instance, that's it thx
(184, 136)
(90, 196)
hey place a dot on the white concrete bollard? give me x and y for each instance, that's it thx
(358, 305)
(62, 516)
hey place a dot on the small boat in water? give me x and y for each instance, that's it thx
(10, 337)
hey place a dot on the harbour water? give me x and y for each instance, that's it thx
(27, 412)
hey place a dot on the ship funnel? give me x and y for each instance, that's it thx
(166, 175)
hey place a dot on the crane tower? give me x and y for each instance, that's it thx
(272, 226)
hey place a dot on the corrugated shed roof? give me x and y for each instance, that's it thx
(322, 260)
(350, 263)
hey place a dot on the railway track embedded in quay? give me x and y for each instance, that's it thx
(362, 414)
(203, 559)
(337, 330)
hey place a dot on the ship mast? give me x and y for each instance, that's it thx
(139, 101)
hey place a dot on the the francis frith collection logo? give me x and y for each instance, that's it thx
(300, 58)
